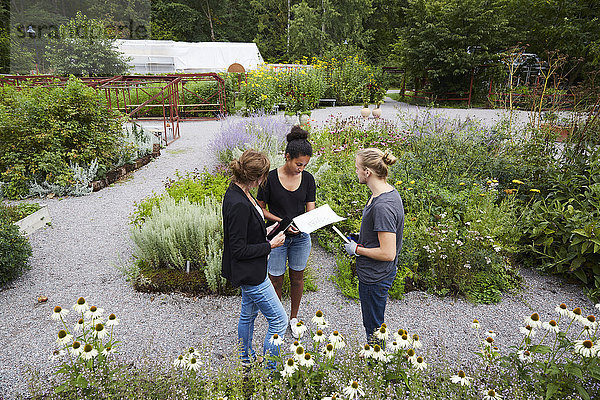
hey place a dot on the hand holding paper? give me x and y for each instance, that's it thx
(317, 218)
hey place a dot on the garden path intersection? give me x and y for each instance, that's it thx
(89, 236)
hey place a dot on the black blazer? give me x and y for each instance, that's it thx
(245, 245)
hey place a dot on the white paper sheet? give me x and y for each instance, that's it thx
(317, 218)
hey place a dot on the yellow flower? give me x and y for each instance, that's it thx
(482, 194)
(475, 184)
(409, 188)
(398, 182)
(534, 190)
(412, 182)
(461, 184)
(518, 182)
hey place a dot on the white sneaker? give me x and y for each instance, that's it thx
(293, 327)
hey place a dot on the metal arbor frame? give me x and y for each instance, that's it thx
(147, 97)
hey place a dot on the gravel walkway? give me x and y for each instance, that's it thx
(89, 236)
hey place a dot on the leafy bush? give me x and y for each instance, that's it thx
(45, 130)
(172, 236)
(15, 251)
(13, 213)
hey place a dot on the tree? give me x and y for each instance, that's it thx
(83, 48)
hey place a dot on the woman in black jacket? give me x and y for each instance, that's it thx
(245, 253)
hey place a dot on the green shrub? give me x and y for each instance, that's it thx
(15, 251)
(13, 213)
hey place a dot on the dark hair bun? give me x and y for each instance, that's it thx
(296, 133)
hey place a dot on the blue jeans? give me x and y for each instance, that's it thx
(373, 298)
(295, 252)
(254, 298)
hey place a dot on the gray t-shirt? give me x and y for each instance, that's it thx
(384, 214)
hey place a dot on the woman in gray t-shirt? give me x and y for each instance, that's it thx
(380, 238)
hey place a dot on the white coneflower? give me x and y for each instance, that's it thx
(107, 351)
(222, 398)
(419, 363)
(378, 353)
(489, 342)
(398, 334)
(366, 351)
(585, 348)
(299, 329)
(524, 355)
(100, 331)
(59, 313)
(193, 364)
(294, 345)
(112, 320)
(180, 362)
(94, 312)
(404, 342)
(76, 348)
(81, 306)
(192, 352)
(597, 306)
(353, 390)
(491, 395)
(328, 351)
(491, 334)
(590, 322)
(334, 396)
(56, 355)
(527, 331)
(551, 326)
(319, 336)
(577, 315)
(475, 324)
(299, 353)
(461, 378)
(79, 325)
(88, 352)
(307, 360)
(289, 368)
(393, 347)
(533, 320)
(319, 318)
(64, 338)
(337, 340)
(411, 355)
(276, 340)
(416, 341)
(562, 310)
(382, 333)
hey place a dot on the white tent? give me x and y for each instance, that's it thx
(164, 56)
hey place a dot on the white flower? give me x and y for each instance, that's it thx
(491, 395)
(416, 342)
(488, 260)
(419, 363)
(590, 322)
(411, 355)
(491, 334)
(100, 331)
(180, 362)
(108, 351)
(353, 390)
(88, 352)
(393, 347)
(79, 325)
(289, 368)
(222, 398)
(562, 310)
(112, 320)
(299, 329)
(524, 355)
(404, 342)
(597, 306)
(59, 313)
(81, 306)
(94, 312)
(64, 338)
(378, 353)
(334, 396)
(382, 333)
(488, 342)
(299, 353)
(294, 345)
(56, 355)
(586, 348)
(399, 334)
(192, 352)
(366, 351)
(76, 348)
(276, 340)
(527, 331)
(193, 364)
(307, 360)
(319, 319)
(329, 350)
(337, 340)
(534, 321)
(576, 314)
(461, 378)
(319, 336)
(551, 326)
(475, 324)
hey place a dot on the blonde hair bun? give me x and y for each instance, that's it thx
(388, 158)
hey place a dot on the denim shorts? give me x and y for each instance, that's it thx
(295, 252)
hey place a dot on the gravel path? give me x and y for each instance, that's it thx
(89, 236)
